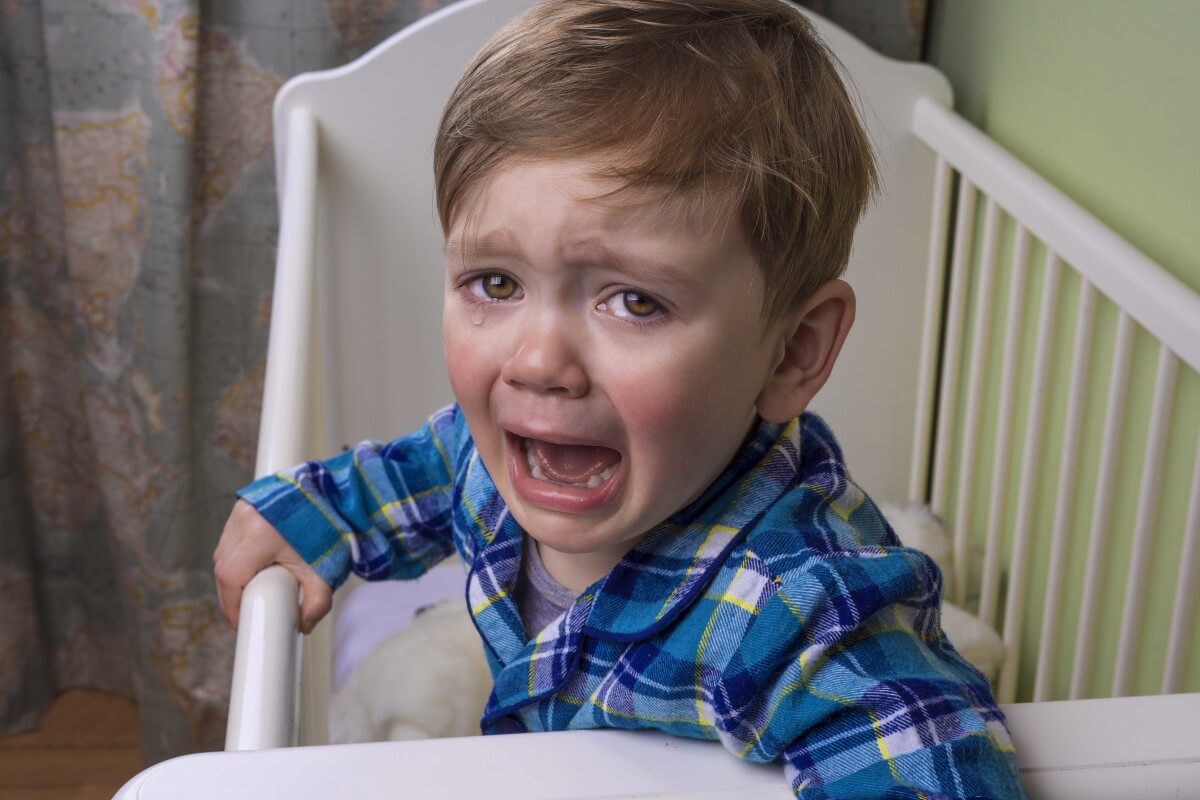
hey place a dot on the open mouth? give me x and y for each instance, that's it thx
(581, 466)
(564, 477)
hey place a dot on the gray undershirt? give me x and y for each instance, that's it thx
(540, 598)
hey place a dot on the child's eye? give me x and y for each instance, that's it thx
(493, 286)
(631, 304)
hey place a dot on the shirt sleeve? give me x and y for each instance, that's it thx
(867, 698)
(381, 510)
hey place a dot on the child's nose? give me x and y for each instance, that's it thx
(547, 359)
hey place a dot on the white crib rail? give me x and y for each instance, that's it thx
(1147, 299)
(262, 703)
(1113, 749)
(1153, 297)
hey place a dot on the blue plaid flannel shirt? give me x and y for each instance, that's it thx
(777, 613)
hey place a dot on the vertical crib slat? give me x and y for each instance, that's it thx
(1008, 379)
(964, 231)
(1147, 513)
(1114, 416)
(1014, 608)
(1187, 590)
(1065, 503)
(976, 373)
(935, 279)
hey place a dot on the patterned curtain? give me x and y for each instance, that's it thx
(137, 237)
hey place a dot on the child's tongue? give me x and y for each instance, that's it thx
(571, 463)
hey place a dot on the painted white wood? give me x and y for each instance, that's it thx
(1013, 329)
(1027, 483)
(315, 688)
(536, 766)
(1141, 747)
(1143, 528)
(1155, 299)
(976, 377)
(1187, 590)
(935, 279)
(1081, 733)
(282, 435)
(262, 694)
(262, 701)
(964, 232)
(1068, 476)
(1114, 419)
(1148, 296)
(871, 397)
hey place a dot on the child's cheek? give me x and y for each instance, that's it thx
(472, 378)
(663, 409)
(685, 412)
(671, 385)
(466, 367)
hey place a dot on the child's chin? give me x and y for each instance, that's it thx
(563, 539)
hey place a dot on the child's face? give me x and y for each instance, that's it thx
(602, 343)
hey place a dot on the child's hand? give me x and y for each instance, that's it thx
(249, 544)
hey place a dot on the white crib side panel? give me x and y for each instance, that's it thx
(1143, 747)
(1098, 749)
(1107, 556)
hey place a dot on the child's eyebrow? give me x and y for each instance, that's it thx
(593, 251)
(500, 242)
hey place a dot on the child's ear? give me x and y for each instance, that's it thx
(807, 344)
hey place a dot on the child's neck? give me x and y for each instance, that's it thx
(577, 571)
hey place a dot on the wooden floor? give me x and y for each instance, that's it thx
(86, 748)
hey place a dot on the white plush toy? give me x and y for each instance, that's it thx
(430, 679)
(974, 639)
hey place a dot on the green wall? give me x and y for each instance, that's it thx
(1103, 99)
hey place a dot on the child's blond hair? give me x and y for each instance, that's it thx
(736, 100)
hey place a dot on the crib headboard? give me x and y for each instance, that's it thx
(377, 118)
(358, 286)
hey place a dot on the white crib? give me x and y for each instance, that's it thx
(358, 285)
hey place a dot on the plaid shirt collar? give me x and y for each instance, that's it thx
(657, 580)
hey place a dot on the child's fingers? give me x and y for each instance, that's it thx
(248, 545)
(231, 581)
(317, 599)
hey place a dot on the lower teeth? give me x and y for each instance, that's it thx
(594, 482)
